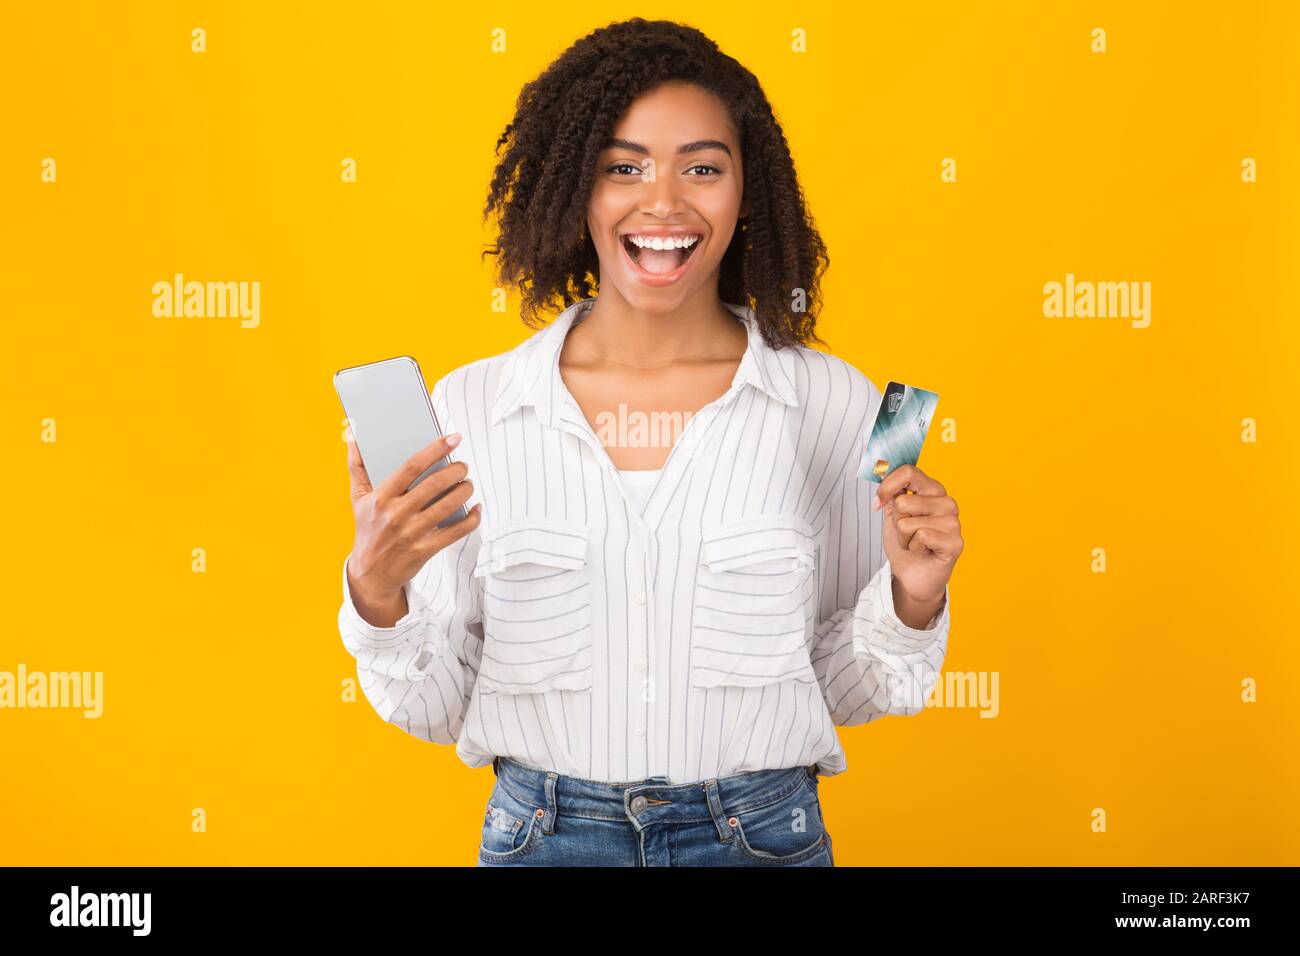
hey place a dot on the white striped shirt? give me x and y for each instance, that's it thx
(731, 626)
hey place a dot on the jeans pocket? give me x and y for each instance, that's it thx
(785, 831)
(510, 828)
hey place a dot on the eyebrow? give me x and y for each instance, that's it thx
(695, 147)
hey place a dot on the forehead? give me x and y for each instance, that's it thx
(675, 113)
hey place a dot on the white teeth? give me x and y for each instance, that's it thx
(663, 242)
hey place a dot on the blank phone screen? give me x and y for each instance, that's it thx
(392, 417)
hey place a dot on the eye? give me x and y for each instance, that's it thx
(635, 169)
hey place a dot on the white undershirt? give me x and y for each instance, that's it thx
(638, 484)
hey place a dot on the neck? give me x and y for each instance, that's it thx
(618, 332)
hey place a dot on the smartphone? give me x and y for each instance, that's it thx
(391, 413)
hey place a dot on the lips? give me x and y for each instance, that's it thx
(658, 266)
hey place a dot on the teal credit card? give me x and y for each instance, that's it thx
(901, 423)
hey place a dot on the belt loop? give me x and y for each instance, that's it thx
(715, 809)
(548, 821)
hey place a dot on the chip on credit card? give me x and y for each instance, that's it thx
(899, 431)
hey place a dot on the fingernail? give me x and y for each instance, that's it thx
(453, 439)
(875, 503)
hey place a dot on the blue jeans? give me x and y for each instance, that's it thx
(759, 818)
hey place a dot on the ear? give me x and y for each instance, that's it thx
(744, 208)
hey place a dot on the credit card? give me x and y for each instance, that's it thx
(899, 430)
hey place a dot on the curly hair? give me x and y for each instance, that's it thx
(565, 118)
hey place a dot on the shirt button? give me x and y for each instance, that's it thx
(640, 597)
(638, 804)
(638, 665)
(640, 729)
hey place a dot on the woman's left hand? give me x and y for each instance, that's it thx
(922, 539)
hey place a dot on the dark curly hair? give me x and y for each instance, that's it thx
(566, 117)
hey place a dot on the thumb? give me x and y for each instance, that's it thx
(889, 531)
(357, 475)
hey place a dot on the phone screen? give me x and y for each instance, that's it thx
(391, 414)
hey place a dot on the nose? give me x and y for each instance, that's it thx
(661, 195)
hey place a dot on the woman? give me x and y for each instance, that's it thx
(652, 632)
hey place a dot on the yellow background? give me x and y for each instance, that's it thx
(222, 690)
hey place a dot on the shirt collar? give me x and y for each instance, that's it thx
(531, 374)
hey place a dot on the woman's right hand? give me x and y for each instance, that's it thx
(395, 534)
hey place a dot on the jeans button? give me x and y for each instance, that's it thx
(638, 804)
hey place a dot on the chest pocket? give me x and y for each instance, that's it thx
(755, 592)
(536, 607)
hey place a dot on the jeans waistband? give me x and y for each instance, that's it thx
(648, 801)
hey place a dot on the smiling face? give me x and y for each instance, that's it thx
(666, 197)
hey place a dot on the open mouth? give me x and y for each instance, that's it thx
(664, 263)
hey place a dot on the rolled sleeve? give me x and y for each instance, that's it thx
(382, 638)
